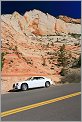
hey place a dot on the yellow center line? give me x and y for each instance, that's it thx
(13, 111)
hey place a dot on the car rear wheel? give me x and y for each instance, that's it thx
(24, 87)
(47, 84)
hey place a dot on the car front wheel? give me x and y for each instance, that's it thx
(24, 87)
(47, 84)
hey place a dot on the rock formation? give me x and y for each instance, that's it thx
(38, 23)
(30, 44)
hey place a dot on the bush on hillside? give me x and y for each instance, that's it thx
(73, 76)
(77, 62)
(63, 72)
(76, 36)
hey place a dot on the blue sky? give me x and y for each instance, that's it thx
(55, 8)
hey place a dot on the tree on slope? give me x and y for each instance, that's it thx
(62, 59)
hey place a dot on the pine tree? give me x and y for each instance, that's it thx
(62, 56)
(62, 59)
(79, 61)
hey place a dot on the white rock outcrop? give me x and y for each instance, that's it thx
(39, 23)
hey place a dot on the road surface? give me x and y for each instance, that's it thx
(56, 103)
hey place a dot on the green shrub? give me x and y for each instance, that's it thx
(77, 44)
(75, 35)
(77, 63)
(62, 56)
(72, 77)
(63, 72)
(52, 44)
(10, 48)
(2, 59)
(44, 61)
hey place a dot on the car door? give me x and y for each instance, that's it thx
(33, 82)
(41, 82)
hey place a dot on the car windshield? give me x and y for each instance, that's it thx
(29, 78)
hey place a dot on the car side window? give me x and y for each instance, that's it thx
(35, 78)
(41, 78)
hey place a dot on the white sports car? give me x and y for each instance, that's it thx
(33, 82)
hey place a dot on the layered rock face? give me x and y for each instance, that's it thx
(30, 44)
(39, 23)
(69, 20)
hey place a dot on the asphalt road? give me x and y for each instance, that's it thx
(68, 109)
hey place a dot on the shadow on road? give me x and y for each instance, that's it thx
(14, 90)
(26, 90)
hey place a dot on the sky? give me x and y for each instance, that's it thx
(55, 8)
